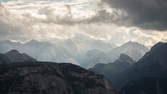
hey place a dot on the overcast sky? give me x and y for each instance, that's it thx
(114, 21)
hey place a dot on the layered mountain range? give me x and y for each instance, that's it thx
(21, 74)
(147, 76)
(83, 53)
(132, 49)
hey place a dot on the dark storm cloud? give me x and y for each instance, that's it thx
(147, 14)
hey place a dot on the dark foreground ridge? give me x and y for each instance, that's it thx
(51, 78)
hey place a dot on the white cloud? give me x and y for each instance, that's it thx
(48, 20)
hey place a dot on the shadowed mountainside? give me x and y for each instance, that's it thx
(152, 64)
(14, 56)
(51, 78)
(111, 70)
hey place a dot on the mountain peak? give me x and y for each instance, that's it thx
(125, 58)
(132, 49)
(157, 54)
(159, 45)
(16, 56)
(13, 51)
(131, 43)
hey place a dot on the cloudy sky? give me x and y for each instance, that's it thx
(112, 21)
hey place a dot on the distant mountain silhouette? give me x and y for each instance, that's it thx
(51, 78)
(132, 49)
(14, 56)
(110, 70)
(152, 64)
(94, 57)
(75, 50)
(70, 50)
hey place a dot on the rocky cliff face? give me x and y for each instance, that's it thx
(51, 78)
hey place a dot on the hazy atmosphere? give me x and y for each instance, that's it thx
(83, 46)
(62, 27)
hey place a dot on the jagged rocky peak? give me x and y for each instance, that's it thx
(125, 58)
(51, 78)
(132, 49)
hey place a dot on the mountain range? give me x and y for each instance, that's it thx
(57, 51)
(21, 74)
(146, 76)
(152, 67)
(75, 51)
(132, 49)
(93, 57)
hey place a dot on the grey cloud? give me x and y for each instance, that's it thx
(147, 14)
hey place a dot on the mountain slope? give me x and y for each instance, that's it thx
(14, 56)
(93, 57)
(51, 78)
(132, 49)
(153, 64)
(4, 59)
(148, 85)
(112, 69)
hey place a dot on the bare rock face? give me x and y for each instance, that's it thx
(51, 78)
